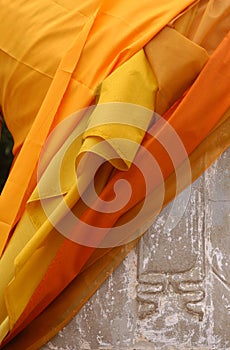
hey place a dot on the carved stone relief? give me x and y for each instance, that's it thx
(173, 291)
(172, 261)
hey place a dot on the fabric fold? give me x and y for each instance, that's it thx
(172, 55)
(42, 233)
(92, 40)
(135, 85)
(131, 88)
(183, 126)
(59, 313)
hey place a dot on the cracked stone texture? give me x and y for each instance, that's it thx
(173, 291)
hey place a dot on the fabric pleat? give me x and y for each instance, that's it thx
(164, 60)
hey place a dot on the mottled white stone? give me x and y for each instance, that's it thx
(173, 291)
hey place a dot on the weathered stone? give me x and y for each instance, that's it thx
(173, 291)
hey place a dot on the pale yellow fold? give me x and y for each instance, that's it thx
(173, 63)
(40, 241)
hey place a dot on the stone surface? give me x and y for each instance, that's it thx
(173, 291)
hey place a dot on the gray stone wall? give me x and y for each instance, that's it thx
(173, 291)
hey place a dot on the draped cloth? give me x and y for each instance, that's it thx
(167, 58)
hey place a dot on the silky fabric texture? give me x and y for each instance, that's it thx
(168, 59)
(29, 67)
(196, 73)
(68, 303)
(212, 24)
(75, 251)
(41, 241)
(60, 312)
(78, 74)
(199, 152)
(65, 66)
(204, 162)
(36, 212)
(205, 122)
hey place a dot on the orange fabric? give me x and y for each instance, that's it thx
(211, 24)
(76, 79)
(192, 131)
(193, 122)
(59, 313)
(170, 53)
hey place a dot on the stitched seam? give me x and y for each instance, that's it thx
(118, 18)
(26, 64)
(82, 83)
(67, 9)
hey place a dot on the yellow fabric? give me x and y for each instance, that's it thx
(89, 25)
(224, 101)
(41, 242)
(139, 74)
(36, 251)
(59, 313)
(7, 261)
(52, 30)
(120, 86)
(23, 176)
(78, 292)
(132, 83)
